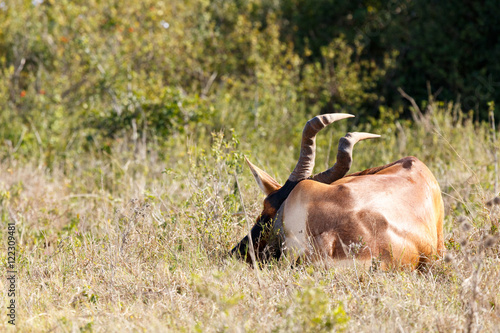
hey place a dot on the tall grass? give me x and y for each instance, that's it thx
(130, 241)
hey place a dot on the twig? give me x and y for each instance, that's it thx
(413, 103)
(494, 142)
(18, 145)
(251, 248)
(19, 68)
(209, 84)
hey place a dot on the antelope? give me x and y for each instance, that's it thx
(391, 215)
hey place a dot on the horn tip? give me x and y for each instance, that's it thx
(333, 117)
(247, 160)
(371, 136)
(363, 135)
(340, 115)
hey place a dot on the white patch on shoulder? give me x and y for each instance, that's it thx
(295, 222)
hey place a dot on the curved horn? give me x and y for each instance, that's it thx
(305, 164)
(344, 157)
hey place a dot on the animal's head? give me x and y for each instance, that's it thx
(277, 194)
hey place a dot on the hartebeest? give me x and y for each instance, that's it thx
(392, 214)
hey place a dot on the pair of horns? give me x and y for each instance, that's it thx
(305, 164)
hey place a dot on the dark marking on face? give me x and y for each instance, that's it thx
(261, 231)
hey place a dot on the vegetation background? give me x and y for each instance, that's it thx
(123, 126)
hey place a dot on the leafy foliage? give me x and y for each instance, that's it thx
(123, 127)
(450, 45)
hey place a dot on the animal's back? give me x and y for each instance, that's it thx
(393, 213)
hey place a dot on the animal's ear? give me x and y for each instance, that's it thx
(266, 183)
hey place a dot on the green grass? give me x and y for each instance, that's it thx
(123, 126)
(128, 241)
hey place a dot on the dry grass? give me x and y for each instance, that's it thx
(120, 246)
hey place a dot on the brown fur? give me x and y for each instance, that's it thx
(393, 212)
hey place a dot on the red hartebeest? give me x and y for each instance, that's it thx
(392, 214)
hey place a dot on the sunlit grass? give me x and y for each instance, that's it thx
(133, 243)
